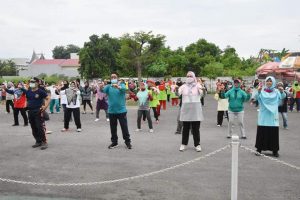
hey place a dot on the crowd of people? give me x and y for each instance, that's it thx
(32, 99)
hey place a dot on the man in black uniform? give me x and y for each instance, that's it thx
(37, 102)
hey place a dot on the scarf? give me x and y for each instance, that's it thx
(71, 96)
(269, 96)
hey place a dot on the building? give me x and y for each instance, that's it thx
(40, 65)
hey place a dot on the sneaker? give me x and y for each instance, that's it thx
(112, 146)
(286, 128)
(36, 145)
(26, 124)
(244, 137)
(15, 125)
(129, 146)
(83, 112)
(64, 130)
(218, 125)
(275, 154)
(97, 119)
(182, 147)
(228, 136)
(151, 130)
(79, 130)
(138, 130)
(198, 148)
(92, 113)
(49, 132)
(107, 119)
(44, 146)
(157, 121)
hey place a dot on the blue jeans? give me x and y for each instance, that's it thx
(284, 119)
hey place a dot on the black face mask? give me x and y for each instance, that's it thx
(296, 84)
(66, 85)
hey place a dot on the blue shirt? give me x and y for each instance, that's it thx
(35, 99)
(116, 98)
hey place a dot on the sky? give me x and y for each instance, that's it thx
(246, 25)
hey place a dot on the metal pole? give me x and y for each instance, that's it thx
(234, 167)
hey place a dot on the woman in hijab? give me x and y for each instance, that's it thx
(191, 110)
(269, 98)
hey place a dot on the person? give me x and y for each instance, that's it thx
(73, 106)
(222, 105)
(283, 106)
(19, 104)
(296, 98)
(86, 93)
(162, 96)
(267, 135)
(37, 102)
(101, 101)
(54, 99)
(174, 94)
(143, 97)
(191, 110)
(116, 92)
(154, 102)
(10, 97)
(236, 98)
(202, 83)
(63, 97)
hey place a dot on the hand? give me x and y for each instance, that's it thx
(259, 88)
(43, 108)
(280, 89)
(249, 90)
(115, 86)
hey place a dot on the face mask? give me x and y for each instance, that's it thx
(32, 85)
(65, 85)
(190, 80)
(296, 84)
(114, 81)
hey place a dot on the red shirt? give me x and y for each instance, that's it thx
(21, 102)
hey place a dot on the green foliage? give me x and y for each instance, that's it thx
(61, 52)
(7, 68)
(213, 70)
(158, 69)
(98, 57)
(140, 50)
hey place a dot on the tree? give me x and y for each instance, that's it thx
(213, 70)
(61, 52)
(201, 53)
(8, 68)
(98, 57)
(157, 69)
(140, 49)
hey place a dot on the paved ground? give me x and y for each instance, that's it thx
(83, 157)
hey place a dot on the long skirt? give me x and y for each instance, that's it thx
(267, 138)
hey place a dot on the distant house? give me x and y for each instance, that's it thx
(67, 67)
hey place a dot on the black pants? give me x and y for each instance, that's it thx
(87, 102)
(113, 122)
(37, 124)
(202, 101)
(155, 113)
(139, 118)
(9, 103)
(23, 113)
(168, 97)
(76, 115)
(195, 131)
(221, 116)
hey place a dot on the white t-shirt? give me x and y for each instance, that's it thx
(52, 91)
(72, 105)
(63, 97)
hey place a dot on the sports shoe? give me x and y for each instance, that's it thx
(112, 146)
(84, 112)
(129, 146)
(64, 130)
(275, 154)
(92, 113)
(228, 136)
(182, 147)
(244, 137)
(218, 125)
(49, 132)
(36, 145)
(138, 129)
(79, 130)
(44, 146)
(107, 119)
(198, 148)
(157, 121)
(15, 125)
(151, 130)
(97, 119)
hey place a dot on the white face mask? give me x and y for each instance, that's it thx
(32, 85)
(190, 80)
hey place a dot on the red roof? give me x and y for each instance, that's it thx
(61, 62)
